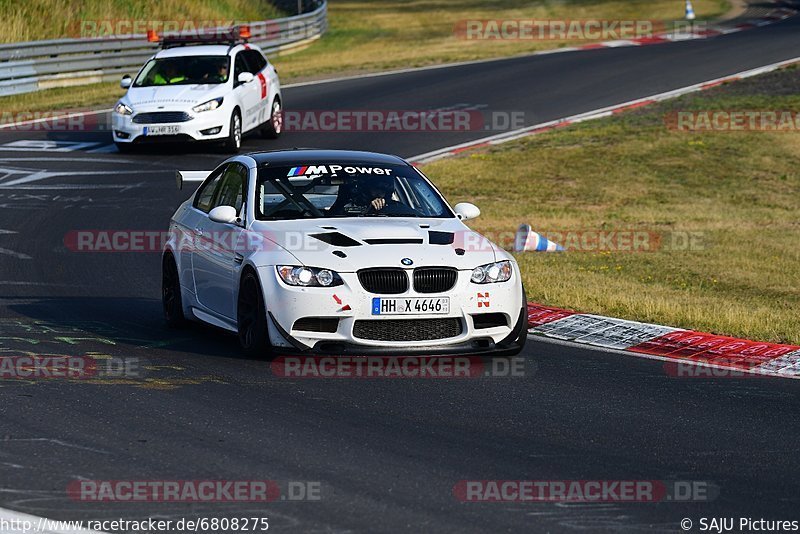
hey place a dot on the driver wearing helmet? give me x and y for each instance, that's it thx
(371, 195)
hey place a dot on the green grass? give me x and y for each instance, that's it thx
(738, 190)
(51, 19)
(363, 36)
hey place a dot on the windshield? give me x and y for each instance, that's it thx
(346, 190)
(184, 71)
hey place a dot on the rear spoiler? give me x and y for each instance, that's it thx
(190, 176)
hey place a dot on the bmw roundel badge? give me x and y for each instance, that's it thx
(406, 261)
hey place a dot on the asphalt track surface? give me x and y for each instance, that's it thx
(386, 452)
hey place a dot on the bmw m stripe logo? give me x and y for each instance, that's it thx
(297, 171)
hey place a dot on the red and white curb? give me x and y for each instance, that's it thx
(701, 33)
(683, 349)
(513, 135)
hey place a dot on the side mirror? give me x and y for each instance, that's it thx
(125, 82)
(245, 77)
(465, 210)
(223, 214)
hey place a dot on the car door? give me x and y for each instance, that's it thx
(216, 259)
(188, 223)
(258, 66)
(248, 94)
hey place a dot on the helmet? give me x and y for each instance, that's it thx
(383, 184)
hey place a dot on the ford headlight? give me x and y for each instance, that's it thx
(295, 275)
(123, 109)
(208, 106)
(492, 272)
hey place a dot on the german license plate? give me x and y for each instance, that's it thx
(410, 306)
(162, 130)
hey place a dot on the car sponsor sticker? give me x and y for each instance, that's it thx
(262, 80)
(315, 170)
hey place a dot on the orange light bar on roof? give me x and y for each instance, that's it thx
(244, 31)
(152, 36)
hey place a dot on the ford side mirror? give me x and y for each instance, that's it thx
(223, 214)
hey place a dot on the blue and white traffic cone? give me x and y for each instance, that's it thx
(528, 240)
(689, 11)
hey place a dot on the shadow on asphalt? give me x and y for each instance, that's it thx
(120, 322)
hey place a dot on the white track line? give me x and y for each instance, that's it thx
(44, 175)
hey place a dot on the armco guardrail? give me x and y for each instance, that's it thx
(36, 65)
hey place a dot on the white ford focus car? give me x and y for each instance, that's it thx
(204, 89)
(338, 252)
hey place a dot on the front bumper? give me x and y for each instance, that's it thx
(125, 130)
(348, 303)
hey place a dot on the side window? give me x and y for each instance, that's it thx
(232, 190)
(239, 66)
(255, 60)
(205, 195)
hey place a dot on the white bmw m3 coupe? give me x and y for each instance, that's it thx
(338, 252)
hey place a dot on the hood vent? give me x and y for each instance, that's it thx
(337, 239)
(395, 241)
(441, 238)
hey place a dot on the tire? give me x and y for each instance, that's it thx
(234, 141)
(273, 128)
(251, 317)
(171, 293)
(124, 148)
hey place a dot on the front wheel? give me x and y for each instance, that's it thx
(124, 148)
(234, 141)
(251, 314)
(274, 126)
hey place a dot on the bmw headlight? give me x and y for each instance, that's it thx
(492, 272)
(208, 106)
(295, 275)
(123, 109)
